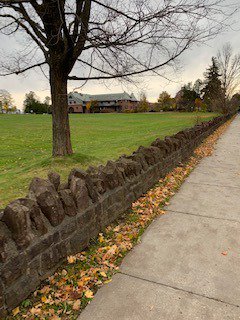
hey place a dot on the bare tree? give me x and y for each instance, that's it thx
(107, 39)
(229, 67)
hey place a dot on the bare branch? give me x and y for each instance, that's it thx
(20, 23)
(229, 65)
(14, 1)
(22, 70)
(116, 10)
(82, 38)
(144, 70)
(121, 39)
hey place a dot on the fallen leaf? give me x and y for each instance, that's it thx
(103, 274)
(107, 281)
(51, 311)
(101, 238)
(224, 253)
(45, 290)
(89, 294)
(64, 272)
(35, 311)
(44, 299)
(80, 283)
(77, 305)
(71, 259)
(15, 311)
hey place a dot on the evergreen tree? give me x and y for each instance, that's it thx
(33, 105)
(198, 86)
(186, 97)
(212, 92)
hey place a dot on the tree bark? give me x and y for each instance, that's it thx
(60, 120)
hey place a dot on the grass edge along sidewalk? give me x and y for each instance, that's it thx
(72, 287)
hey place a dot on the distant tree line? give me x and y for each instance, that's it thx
(217, 92)
(32, 104)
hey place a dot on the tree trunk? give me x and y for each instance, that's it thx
(60, 120)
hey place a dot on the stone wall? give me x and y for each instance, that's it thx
(58, 219)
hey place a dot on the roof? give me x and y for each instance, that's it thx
(80, 97)
(77, 97)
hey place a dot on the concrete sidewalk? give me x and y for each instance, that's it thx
(187, 266)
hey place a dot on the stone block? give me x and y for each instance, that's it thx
(79, 190)
(42, 244)
(48, 200)
(3, 312)
(3, 252)
(25, 220)
(68, 202)
(2, 297)
(111, 175)
(67, 228)
(80, 240)
(18, 222)
(130, 167)
(20, 290)
(89, 222)
(13, 269)
(59, 252)
(55, 179)
(78, 173)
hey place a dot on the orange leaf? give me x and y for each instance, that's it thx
(224, 253)
(71, 259)
(89, 294)
(77, 305)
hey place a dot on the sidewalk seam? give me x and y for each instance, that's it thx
(211, 185)
(179, 289)
(201, 215)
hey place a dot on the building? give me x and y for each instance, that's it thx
(115, 102)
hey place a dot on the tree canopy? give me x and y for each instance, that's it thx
(165, 102)
(32, 104)
(6, 101)
(186, 98)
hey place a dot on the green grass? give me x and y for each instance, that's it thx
(25, 143)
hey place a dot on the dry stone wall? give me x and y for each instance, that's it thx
(58, 219)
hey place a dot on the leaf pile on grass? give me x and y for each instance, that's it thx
(71, 288)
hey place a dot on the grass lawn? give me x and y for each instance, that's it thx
(25, 143)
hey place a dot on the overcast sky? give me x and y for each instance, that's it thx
(194, 63)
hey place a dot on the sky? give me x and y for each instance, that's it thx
(193, 64)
